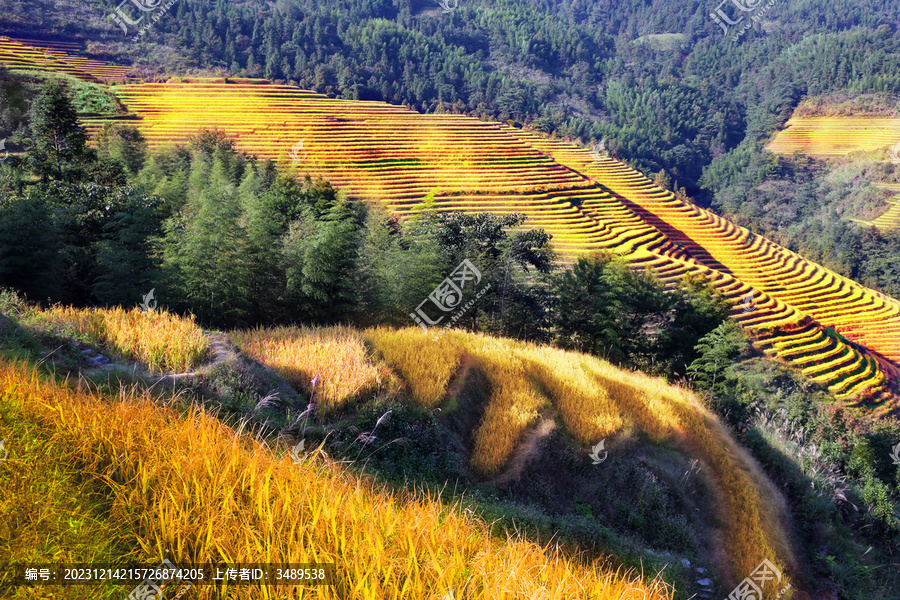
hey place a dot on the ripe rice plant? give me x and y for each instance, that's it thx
(194, 490)
(336, 354)
(57, 56)
(425, 364)
(513, 405)
(835, 136)
(793, 294)
(586, 204)
(592, 395)
(49, 509)
(596, 400)
(161, 340)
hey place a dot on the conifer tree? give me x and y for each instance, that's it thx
(56, 143)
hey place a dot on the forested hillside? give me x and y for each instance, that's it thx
(660, 84)
(572, 68)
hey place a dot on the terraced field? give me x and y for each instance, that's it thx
(835, 136)
(388, 153)
(839, 333)
(34, 55)
(889, 219)
(836, 331)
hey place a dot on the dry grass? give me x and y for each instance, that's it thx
(197, 491)
(161, 340)
(337, 354)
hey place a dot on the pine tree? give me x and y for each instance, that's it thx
(57, 143)
(320, 259)
(126, 265)
(207, 247)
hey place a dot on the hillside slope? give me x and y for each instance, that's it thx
(488, 400)
(841, 334)
(389, 154)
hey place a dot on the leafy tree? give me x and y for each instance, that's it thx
(483, 239)
(28, 246)
(605, 308)
(126, 264)
(697, 309)
(206, 248)
(395, 270)
(320, 257)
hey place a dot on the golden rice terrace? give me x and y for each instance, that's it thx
(836, 331)
(836, 136)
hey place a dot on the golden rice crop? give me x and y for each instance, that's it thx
(596, 400)
(426, 364)
(161, 340)
(337, 355)
(667, 413)
(195, 490)
(537, 176)
(586, 204)
(57, 56)
(835, 136)
(48, 508)
(513, 405)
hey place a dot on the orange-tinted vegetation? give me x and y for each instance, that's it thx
(193, 490)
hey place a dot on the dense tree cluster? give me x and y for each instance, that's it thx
(807, 205)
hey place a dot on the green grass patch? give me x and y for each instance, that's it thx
(86, 97)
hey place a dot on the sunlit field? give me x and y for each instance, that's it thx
(586, 203)
(795, 301)
(187, 488)
(653, 255)
(337, 355)
(593, 399)
(426, 365)
(59, 57)
(161, 340)
(835, 136)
